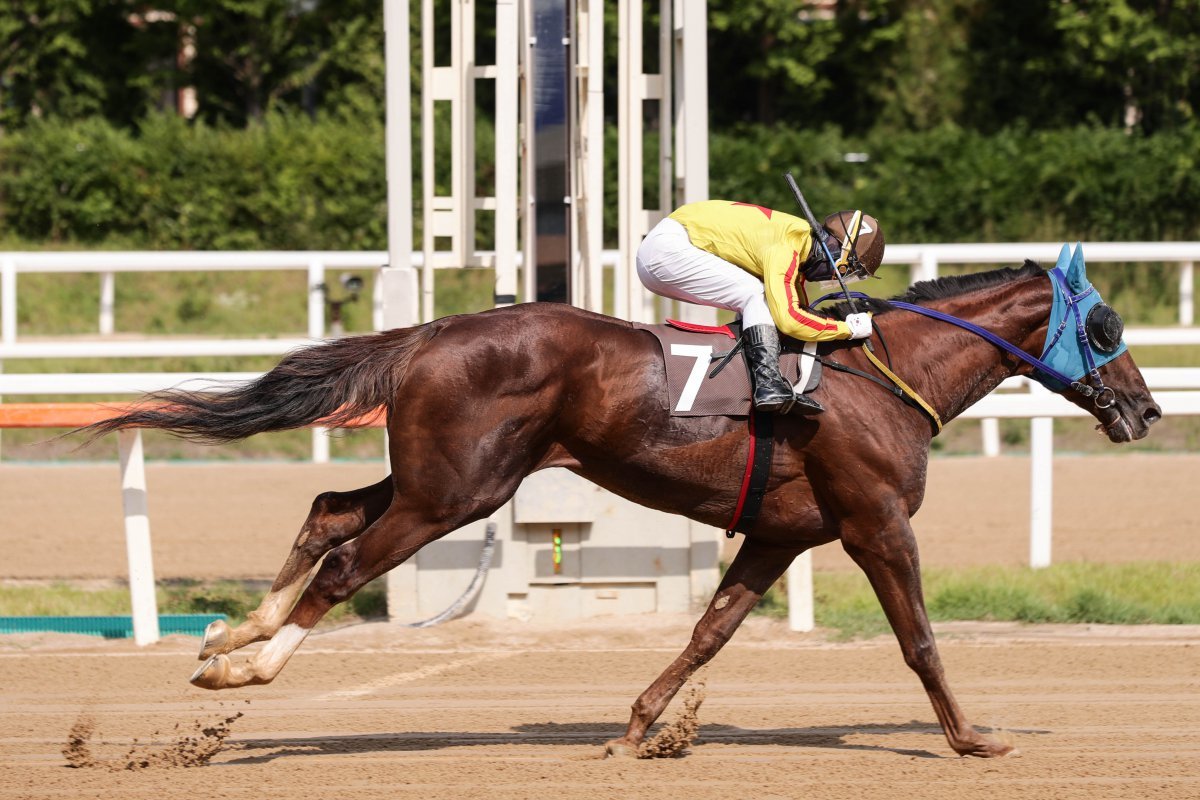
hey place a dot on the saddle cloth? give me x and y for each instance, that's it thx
(691, 352)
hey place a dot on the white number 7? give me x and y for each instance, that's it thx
(703, 355)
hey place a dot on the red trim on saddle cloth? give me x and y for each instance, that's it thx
(695, 327)
(741, 501)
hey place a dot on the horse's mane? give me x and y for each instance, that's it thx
(949, 286)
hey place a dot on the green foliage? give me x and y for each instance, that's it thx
(289, 183)
(1145, 52)
(953, 184)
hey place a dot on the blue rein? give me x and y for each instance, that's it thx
(1040, 366)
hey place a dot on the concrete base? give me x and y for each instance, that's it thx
(614, 557)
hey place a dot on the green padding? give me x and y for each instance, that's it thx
(108, 627)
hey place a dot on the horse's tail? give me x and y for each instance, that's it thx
(334, 382)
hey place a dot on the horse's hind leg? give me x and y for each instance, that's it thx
(392, 539)
(752, 572)
(335, 518)
(889, 558)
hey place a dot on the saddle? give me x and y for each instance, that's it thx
(704, 379)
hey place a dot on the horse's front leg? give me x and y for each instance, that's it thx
(752, 572)
(889, 558)
(335, 518)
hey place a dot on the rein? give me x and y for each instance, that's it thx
(1042, 370)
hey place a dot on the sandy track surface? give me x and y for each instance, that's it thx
(507, 710)
(238, 520)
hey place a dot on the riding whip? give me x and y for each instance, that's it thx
(816, 229)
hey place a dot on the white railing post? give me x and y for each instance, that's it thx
(316, 330)
(1041, 486)
(316, 300)
(137, 537)
(8, 301)
(108, 299)
(929, 265)
(990, 429)
(800, 593)
(1187, 283)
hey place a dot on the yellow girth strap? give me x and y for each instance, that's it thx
(904, 387)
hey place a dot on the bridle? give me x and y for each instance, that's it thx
(1099, 328)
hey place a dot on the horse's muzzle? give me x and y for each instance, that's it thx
(1130, 420)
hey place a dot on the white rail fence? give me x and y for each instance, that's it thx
(924, 262)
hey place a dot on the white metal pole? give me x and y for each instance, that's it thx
(1187, 283)
(399, 284)
(316, 330)
(929, 265)
(108, 297)
(137, 537)
(990, 430)
(1041, 486)
(8, 301)
(800, 593)
(316, 300)
(505, 287)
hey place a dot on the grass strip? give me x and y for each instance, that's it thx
(1115, 594)
(1118, 594)
(183, 597)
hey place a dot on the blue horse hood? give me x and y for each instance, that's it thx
(1067, 346)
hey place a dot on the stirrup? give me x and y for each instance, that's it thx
(806, 405)
(781, 406)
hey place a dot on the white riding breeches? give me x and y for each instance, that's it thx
(671, 266)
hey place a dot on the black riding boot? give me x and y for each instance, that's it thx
(771, 391)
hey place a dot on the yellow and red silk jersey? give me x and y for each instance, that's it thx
(767, 243)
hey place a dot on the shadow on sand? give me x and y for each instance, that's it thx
(588, 734)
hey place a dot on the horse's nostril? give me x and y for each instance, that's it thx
(1152, 415)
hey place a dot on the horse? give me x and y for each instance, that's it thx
(477, 402)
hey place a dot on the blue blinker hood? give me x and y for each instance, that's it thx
(1069, 349)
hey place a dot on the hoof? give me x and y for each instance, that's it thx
(216, 636)
(619, 748)
(212, 673)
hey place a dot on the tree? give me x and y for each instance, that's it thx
(1143, 54)
(256, 55)
(770, 52)
(74, 59)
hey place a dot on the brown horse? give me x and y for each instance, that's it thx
(477, 402)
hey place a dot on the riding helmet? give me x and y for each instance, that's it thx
(869, 249)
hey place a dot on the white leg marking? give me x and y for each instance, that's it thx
(278, 650)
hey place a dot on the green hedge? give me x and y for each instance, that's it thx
(296, 183)
(289, 183)
(952, 185)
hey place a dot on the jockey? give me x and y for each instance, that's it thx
(755, 261)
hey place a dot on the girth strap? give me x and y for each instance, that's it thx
(758, 469)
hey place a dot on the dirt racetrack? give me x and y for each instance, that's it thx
(508, 710)
(502, 709)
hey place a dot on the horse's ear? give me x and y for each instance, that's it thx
(1077, 274)
(1064, 259)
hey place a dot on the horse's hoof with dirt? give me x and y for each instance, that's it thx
(620, 748)
(212, 674)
